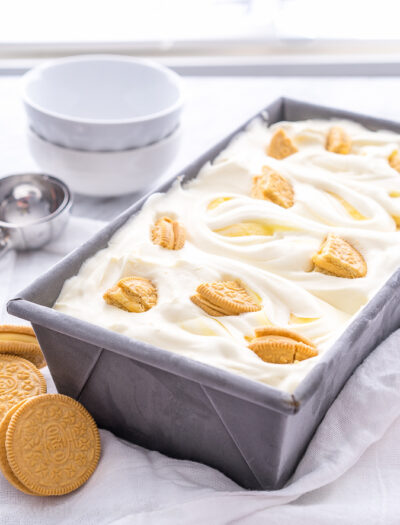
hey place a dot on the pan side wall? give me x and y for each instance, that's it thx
(162, 411)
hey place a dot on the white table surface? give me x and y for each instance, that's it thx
(214, 107)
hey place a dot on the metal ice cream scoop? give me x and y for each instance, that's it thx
(34, 208)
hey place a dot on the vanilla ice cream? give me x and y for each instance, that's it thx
(231, 236)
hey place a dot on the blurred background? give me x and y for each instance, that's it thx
(203, 37)
(235, 56)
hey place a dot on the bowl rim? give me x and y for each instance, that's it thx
(151, 64)
(32, 134)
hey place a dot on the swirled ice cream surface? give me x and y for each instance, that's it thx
(356, 196)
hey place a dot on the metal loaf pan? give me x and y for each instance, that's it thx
(253, 433)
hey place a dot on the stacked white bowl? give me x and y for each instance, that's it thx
(105, 124)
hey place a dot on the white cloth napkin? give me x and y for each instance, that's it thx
(349, 474)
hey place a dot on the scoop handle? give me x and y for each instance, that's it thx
(5, 242)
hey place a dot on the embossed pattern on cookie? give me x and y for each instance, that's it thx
(339, 258)
(133, 294)
(21, 341)
(394, 160)
(19, 379)
(4, 465)
(168, 234)
(52, 444)
(273, 187)
(278, 345)
(224, 298)
(338, 141)
(281, 145)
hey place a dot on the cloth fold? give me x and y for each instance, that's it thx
(350, 472)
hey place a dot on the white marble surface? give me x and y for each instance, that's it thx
(214, 107)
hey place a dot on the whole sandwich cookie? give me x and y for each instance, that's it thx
(224, 298)
(21, 341)
(51, 444)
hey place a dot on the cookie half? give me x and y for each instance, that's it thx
(275, 344)
(339, 258)
(168, 234)
(133, 294)
(224, 298)
(338, 141)
(281, 145)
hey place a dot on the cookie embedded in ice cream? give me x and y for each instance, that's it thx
(394, 160)
(274, 344)
(168, 234)
(224, 298)
(273, 187)
(133, 294)
(338, 141)
(339, 258)
(281, 145)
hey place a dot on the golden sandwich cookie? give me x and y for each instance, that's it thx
(224, 298)
(339, 258)
(19, 379)
(133, 294)
(275, 344)
(21, 341)
(52, 445)
(168, 234)
(4, 465)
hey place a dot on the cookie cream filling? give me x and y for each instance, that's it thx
(268, 248)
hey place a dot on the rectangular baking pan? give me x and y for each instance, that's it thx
(163, 401)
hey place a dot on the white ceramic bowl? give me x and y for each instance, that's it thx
(102, 102)
(105, 174)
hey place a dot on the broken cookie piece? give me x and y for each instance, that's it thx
(133, 294)
(338, 257)
(274, 344)
(281, 145)
(224, 298)
(168, 234)
(273, 187)
(394, 160)
(337, 141)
